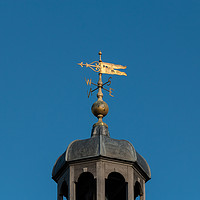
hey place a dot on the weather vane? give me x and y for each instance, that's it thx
(100, 108)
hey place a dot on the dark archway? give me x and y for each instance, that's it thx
(137, 190)
(64, 190)
(86, 187)
(116, 187)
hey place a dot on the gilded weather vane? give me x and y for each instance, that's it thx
(100, 108)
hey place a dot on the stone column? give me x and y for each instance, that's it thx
(59, 197)
(143, 187)
(100, 181)
(130, 184)
(72, 188)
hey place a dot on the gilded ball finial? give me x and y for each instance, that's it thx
(100, 110)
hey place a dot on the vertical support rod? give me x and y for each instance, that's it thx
(100, 83)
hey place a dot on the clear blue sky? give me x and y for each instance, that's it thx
(43, 95)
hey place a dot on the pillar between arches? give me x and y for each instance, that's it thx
(72, 193)
(100, 181)
(130, 186)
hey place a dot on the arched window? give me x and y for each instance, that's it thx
(86, 187)
(115, 187)
(64, 190)
(137, 191)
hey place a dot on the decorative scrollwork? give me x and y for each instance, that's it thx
(94, 66)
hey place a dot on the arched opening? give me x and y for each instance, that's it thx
(64, 190)
(116, 187)
(137, 191)
(86, 187)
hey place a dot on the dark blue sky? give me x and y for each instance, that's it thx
(43, 95)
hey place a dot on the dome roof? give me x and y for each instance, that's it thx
(100, 144)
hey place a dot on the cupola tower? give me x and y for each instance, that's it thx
(101, 168)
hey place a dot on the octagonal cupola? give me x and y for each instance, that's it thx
(101, 167)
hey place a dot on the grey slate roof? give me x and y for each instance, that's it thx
(100, 144)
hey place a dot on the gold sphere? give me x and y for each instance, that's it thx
(100, 108)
